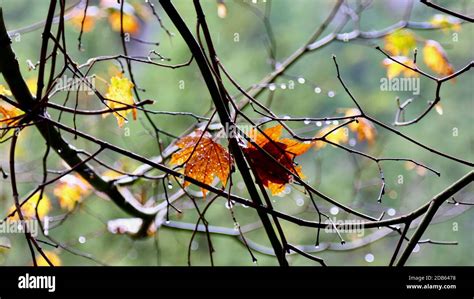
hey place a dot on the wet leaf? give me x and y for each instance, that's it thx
(202, 158)
(120, 95)
(273, 176)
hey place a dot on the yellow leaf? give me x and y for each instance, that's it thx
(364, 129)
(9, 115)
(120, 95)
(71, 190)
(400, 42)
(446, 23)
(110, 174)
(52, 257)
(394, 69)
(32, 85)
(337, 136)
(28, 208)
(4, 91)
(130, 22)
(436, 59)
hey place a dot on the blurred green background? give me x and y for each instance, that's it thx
(351, 179)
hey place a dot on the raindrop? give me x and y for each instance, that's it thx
(299, 201)
(272, 87)
(194, 245)
(336, 122)
(391, 212)
(328, 122)
(317, 90)
(331, 94)
(286, 117)
(283, 86)
(229, 204)
(301, 80)
(319, 124)
(334, 210)
(307, 122)
(170, 185)
(82, 239)
(352, 142)
(236, 226)
(167, 222)
(369, 258)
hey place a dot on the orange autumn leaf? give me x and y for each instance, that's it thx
(364, 129)
(9, 114)
(436, 59)
(130, 22)
(120, 95)
(394, 69)
(88, 22)
(400, 42)
(333, 135)
(28, 209)
(71, 190)
(203, 158)
(284, 151)
(52, 257)
(114, 10)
